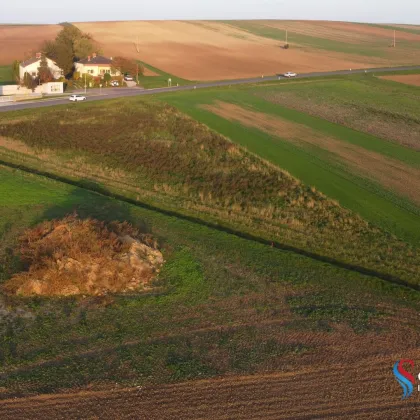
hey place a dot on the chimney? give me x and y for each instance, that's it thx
(38, 55)
(94, 55)
(88, 57)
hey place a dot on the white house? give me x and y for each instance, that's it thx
(31, 66)
(96, 65)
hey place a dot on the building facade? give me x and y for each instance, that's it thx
(96, 65)
(31, 67)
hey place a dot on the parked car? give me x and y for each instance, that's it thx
(115, 83)
(128, 78)
(289, 74)
(77, 98)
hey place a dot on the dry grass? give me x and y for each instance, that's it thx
(77, 257)
(391, 173)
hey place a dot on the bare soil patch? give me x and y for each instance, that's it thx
(18, 42)
(407, 79)
(391, 173)
(73, 257)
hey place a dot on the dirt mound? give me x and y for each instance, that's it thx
(85, 257)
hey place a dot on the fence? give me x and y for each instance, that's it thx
(6, 99)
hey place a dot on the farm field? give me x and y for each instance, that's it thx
(216, 181)
(18, 42)
(211, 50)
(217, 50)
(408, 79)
(294, 140)
(248, 309)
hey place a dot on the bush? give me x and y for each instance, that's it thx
(107, 78)
(286, 46)
(76, 75)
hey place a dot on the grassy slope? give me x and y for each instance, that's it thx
(373, 202)
(232, 296)
(161, 80)
(209, 179)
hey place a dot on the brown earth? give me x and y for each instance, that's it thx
(212, 50)
(19, 42)
(84, 257)
(208, 50)
(391, 173)
(351, 377)
(408, 79)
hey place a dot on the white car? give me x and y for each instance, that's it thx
(115, 83)
(77, 98)
(289, 74)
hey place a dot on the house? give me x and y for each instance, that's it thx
(96, 65)
(31, 66)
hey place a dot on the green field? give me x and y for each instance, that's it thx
(160, 80)
(221, 292)
(6, 76)
(374, 202)
(215, 182)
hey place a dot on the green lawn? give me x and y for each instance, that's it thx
(211, 279)
(6, 76)
(161, 80)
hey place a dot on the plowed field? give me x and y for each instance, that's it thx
(18, 42)
(364, 390)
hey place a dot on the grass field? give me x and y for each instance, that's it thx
(229, 306)
(160, 79)
(6, 76)
(215, 181)
(364, 193)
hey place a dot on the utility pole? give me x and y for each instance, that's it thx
(85, 83)
(137, 74)
(287, 36)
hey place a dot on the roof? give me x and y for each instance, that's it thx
(99, 59)
(29, 61)
(32, 60)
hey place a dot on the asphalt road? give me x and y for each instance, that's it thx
(111, 93)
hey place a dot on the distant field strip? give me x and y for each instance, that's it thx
(366, 104)
(390, 173)
(408, 79)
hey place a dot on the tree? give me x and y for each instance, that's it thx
(124, 65)
(107, 78)
(16, 71)
(44, 72)
(28, 81)
(69, 46)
